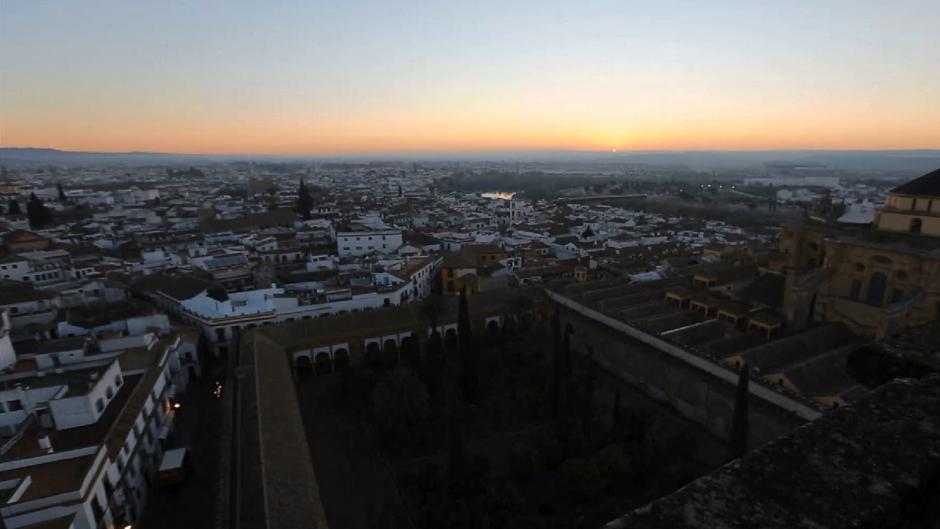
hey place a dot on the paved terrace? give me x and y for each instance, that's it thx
(875, 464)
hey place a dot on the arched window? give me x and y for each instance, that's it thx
(877, 284)
(916, 225)
(99, 405)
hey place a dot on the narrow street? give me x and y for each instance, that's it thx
(193, 504)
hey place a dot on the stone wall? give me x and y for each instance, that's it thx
(695, 393)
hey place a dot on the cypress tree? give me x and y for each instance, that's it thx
(457, 460)
(469, 362)
(37, 212)
(304, 201)
(566, 356)
(13, 208)
(556, 361)
(739, 426)
(434, 360)
(62, 197)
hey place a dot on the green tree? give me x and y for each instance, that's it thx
(739, 421)
(556, 362)
(62, 197)
(434, 369)
(519, 307)
(37, 212)
(401, 404)
(304, 201)
(13, 208)
(458, 463)
(430, 309)
(469, 356)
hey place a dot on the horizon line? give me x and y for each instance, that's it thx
(477, 152)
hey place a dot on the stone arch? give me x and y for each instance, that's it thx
(450, 338)
(323, 363)
(373, 354)
(303, 364)
(492, 328)
(409, 353)
(390, 352)
(340, 359)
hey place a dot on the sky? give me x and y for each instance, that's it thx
(358, 77)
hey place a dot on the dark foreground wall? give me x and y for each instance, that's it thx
(698, 390)
(872, 465)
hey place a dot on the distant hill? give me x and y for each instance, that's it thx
(905, 161)
(12, 156)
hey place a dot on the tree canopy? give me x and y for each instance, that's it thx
(39, 215)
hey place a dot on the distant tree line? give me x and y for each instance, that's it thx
(192, 172)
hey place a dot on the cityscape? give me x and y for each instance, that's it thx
(422, 267)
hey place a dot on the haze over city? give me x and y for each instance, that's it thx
(359, 77)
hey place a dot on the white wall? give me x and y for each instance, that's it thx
(81, 410)
(14, 271)
(349, 244)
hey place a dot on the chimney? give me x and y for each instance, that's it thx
(45, 443)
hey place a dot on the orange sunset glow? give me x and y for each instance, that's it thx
(560, 79)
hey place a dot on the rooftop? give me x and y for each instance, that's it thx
(927, 185)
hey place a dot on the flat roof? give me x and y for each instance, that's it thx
(72, 438)
(50, 479)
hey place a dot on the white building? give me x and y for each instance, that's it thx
(358, 243)
(86, 437)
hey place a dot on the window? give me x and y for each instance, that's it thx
(220, 334)
(14, 405)
(856, 292)
(118, 380)
(99, 405)
(916, 225)
(109, 392)
(877, 285)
